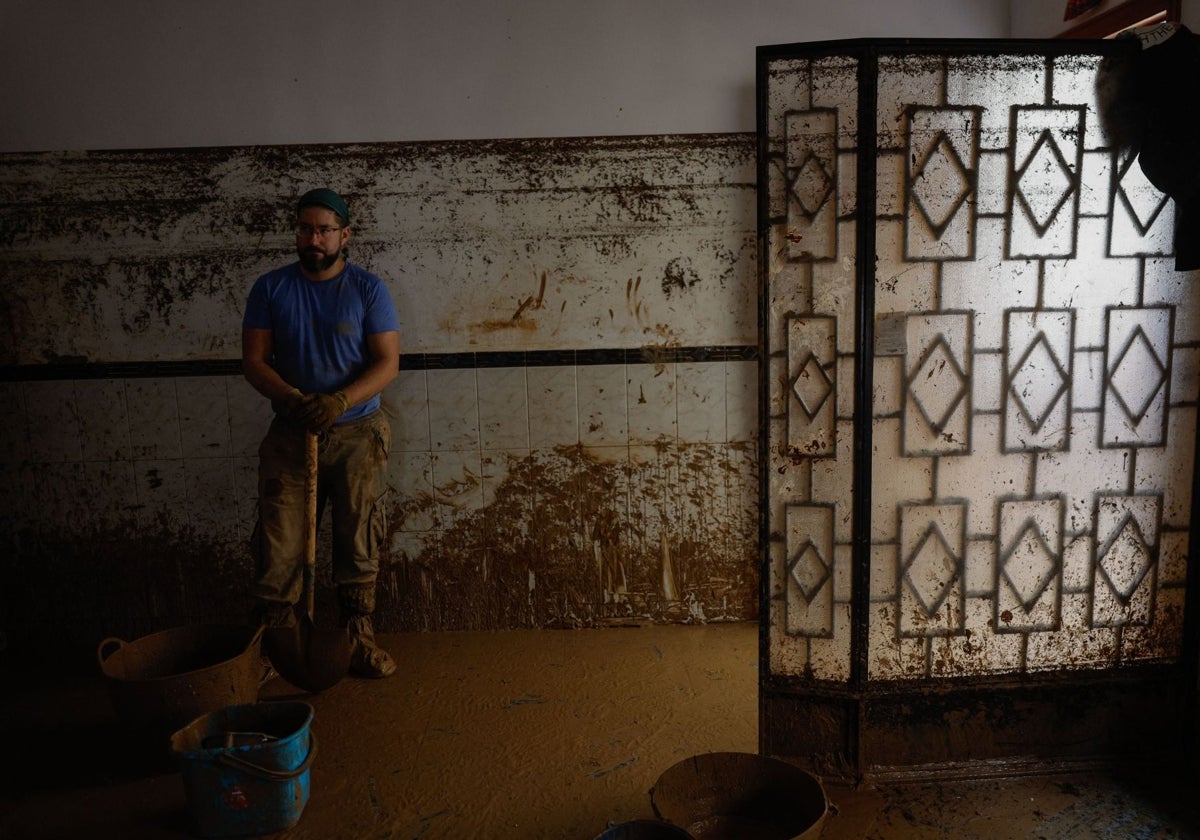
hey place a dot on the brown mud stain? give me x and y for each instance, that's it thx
(571, 541)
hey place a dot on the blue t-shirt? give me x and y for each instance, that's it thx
(320, 328)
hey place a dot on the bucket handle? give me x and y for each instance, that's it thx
(266, 773)
(116, 644)
(101, 656)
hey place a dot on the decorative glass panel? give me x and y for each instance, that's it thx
(1025, 438)
(810, 203)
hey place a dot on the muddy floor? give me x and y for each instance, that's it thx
(522, 735)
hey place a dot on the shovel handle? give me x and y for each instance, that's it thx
(310, 521)
(256, 639)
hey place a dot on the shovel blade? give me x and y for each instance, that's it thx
(309, 657)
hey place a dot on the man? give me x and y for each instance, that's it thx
(320, 339)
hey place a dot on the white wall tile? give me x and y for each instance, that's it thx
(161, 494)
(103, 419)
(406, 401)
(653, 407)
(553, 406)
(453, 410)
(409, 546)
(458, 486)
(63, 497)
(701, 387)
(503, 408)
(603, 411)
(112, 502)
(508, 503)
(153, 418)
(54, 431)
(203, 416)
(20, 487)
(14, 435)
(245, 489)
(211, 497)
(497, 466)
(250, 414)
(741, 401)
(410, 477)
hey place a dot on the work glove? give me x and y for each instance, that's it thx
(316, 412)
(291, 403)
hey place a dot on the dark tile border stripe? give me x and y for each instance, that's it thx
(416, 361)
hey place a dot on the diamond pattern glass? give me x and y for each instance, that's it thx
(992, 417)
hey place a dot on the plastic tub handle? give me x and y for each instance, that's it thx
(101, 656)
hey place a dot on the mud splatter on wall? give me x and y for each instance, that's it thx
(570, 540)
(574, 425)
(501, 245)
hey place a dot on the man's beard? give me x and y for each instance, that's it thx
(316, 261)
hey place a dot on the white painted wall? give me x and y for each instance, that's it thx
(169, 73)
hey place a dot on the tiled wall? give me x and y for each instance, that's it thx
(596, 462)
(574, 424)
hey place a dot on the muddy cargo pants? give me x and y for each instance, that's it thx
(351, 480)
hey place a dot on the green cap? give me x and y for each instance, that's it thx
(325, 198)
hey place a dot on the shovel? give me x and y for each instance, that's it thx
(309, 657)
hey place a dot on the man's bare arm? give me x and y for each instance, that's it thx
(385, 352)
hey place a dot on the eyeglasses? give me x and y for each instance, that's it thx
(319, 232)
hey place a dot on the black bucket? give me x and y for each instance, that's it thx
(742, 796)
(644, 830)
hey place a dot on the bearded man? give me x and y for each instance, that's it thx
(320, 339)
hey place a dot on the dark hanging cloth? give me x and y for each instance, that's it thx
(1077, 7)
(1150, 105)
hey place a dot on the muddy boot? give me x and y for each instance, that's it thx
(366, 658)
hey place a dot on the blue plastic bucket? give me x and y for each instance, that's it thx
(246, 768)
